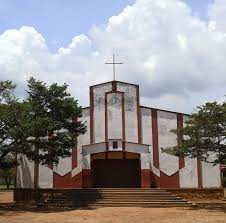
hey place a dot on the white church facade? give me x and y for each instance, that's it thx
(122, 148)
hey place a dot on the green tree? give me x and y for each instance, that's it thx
(10, 109)
(51, 123)
(7, 92)
(10, 113)
(204, 135)
(44, 127)
(8, 170)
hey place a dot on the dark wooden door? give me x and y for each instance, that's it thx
(116, 173)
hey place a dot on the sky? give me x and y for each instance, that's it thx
(174, 49)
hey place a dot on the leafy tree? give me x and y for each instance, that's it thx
(7, 92)
(8, 170)
(204, 135)
(9, 110)
(51, 123)
(10, 113)
(44, 127)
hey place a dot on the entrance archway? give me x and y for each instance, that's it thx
(116, 170)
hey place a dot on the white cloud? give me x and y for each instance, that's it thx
(217, 12)
(178, 59)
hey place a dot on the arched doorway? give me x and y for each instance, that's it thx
(116, 169)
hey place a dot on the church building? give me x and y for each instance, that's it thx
(122, 148)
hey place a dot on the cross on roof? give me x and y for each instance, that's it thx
(113, 63)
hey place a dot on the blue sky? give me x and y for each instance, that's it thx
(59, 21)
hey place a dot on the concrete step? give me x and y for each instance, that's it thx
(116, 201)
(112, 195)
(110, 190)
(124, 204)
(116, 197)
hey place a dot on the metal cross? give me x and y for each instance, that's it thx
(113, 63)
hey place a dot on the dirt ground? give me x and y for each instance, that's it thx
(119, 215)
(6, 196)
(109, 215)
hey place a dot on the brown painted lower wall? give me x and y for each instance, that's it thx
(169, 181)
(154, 181)
(87, 178)
(67, 181)
(165, 181)
(199, 193)
(145, 178)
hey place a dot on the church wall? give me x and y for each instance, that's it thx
(64, 166)
(167, 121)
(131, 109)
(99, 111)
(83, 139)
(189, 173)
(45, 177)
(147, 138)
(168, 171)
(25, 173)
(84, 161)
(114, 115)
(68, 173)
(211, 175)
(61, 172)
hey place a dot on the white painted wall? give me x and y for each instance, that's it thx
(64, 166)
(189, 175)
(94, 148)
(86, 164)
(99, 111)
(83, 139)
(211, 175)
(146, 132)
(114, 102)
(131, 123)
(146, 124)
(145, 161)
(25, 173)
(136, 148)
(167, 121)
(45, 177)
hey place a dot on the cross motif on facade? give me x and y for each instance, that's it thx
(114, 63)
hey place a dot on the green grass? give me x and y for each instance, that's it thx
(3, 186)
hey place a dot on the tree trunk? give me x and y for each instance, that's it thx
(36, 175)
(36, 169)
(7, 182)
(15, 176)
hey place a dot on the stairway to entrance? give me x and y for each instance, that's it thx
(116, 197)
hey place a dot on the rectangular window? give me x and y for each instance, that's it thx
(115, 145)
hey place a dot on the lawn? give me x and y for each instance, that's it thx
(3, 186)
